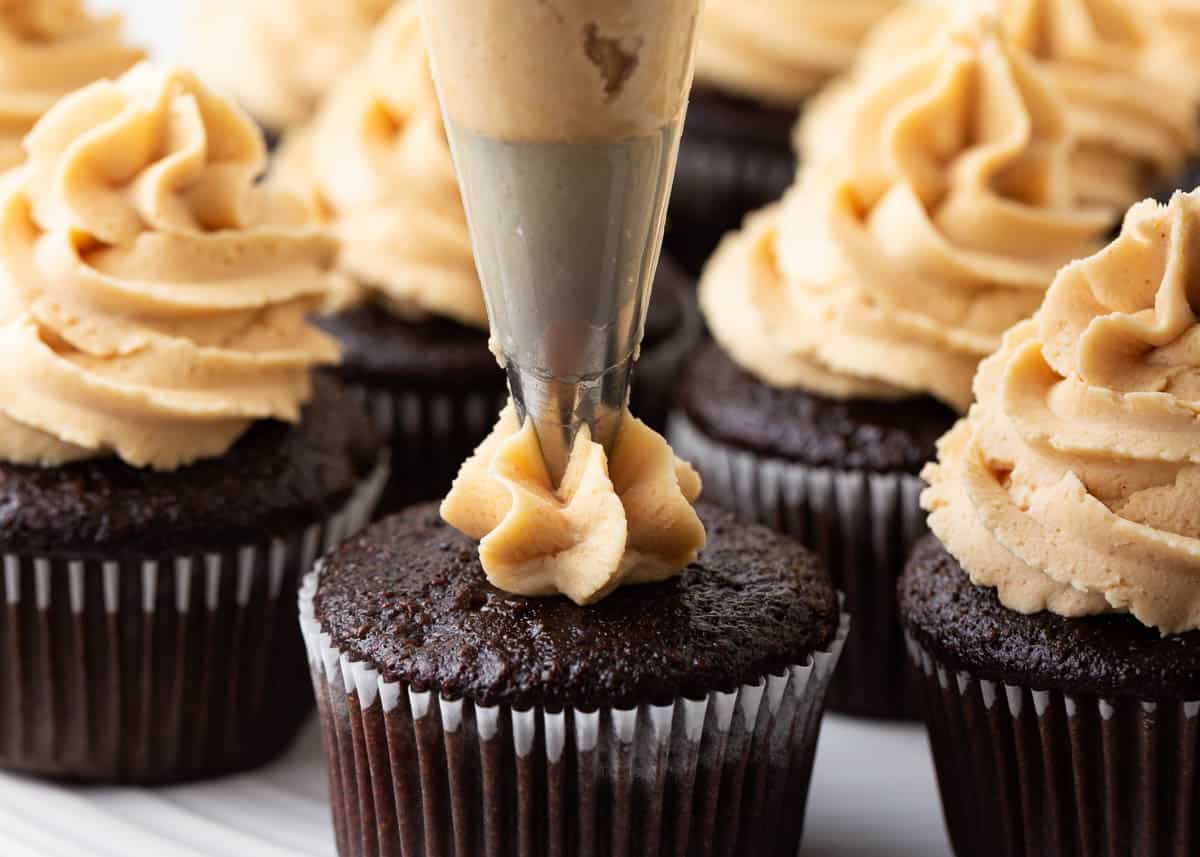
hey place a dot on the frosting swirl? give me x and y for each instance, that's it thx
(154, 298)
(612, 522)
(1134, 118)
(278, 57)
(893, 269)
(47, 49)
(376, 160)
(1074, 483)
(779, 51)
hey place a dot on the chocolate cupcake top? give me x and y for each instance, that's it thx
(376, 160)
(278, 57)
(1133, 109)
(613, 520)
(409, 597)
(891, 269)
(49, 48)
(155, 298)
(779, 51)
(1074, 483)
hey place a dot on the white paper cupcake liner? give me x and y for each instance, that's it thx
(1038, 773)
(862, 525)
(431, 435)
(415, 773)
(149, 670)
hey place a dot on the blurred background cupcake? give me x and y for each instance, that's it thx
(411, 316)
(758, 61)
(49, 48)
(590, 678)
(1056, 615)
(1136, 117)
(168, 468)
(849, 319)
(278, 57)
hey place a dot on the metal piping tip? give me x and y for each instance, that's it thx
(559, 408)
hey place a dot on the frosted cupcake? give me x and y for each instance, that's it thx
(411, 318)
(610, 670)
(849, 320)
(1134, 115)
(279, 57)
(1056, 615)
(49, 48)
(168, 467)
(757, 63)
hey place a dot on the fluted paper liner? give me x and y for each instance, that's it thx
(430, 433)
(152, 670)
(1037, 773)
(413, 773)
(862, 525)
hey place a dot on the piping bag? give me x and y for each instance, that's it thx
(564, 118)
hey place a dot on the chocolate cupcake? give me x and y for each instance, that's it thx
(279, 57)
(1056, 615)
(756, 65)
(1102, 58)
(168, 469)
(851, 318)
(468, 706)
(412, 318)
(50, 48)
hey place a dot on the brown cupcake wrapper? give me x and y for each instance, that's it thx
(1040, 773)
(158, 669)
(862, 525)
(431, 435)
(414, 773)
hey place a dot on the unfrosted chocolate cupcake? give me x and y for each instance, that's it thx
(756, 66)
(168, 469)
(412, 320)
(678, 717)
(1056, 615)
(849, 319)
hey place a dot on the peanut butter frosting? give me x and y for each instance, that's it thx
(154, 297)
(1073, 484)
(551, 71)
(278, 57)
(47, 49)
(376, 162)
(892, 270)
(780, 51)
(611, 522)
(1134, 115)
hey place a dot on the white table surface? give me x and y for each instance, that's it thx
(873, 793)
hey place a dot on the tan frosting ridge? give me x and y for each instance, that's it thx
(278, 57)
(376, 161)
(47, 49)
(779, 51)
(892, 269)
(612, 522)
(1134, 114)
(1074, 483)
(154, 298)
(623, 75)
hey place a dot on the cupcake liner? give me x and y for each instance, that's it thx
(152, 670)
(717, 183)
(431, 435)
(656, 370)
(412, 772)
(862, 525)
(1037, 773)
